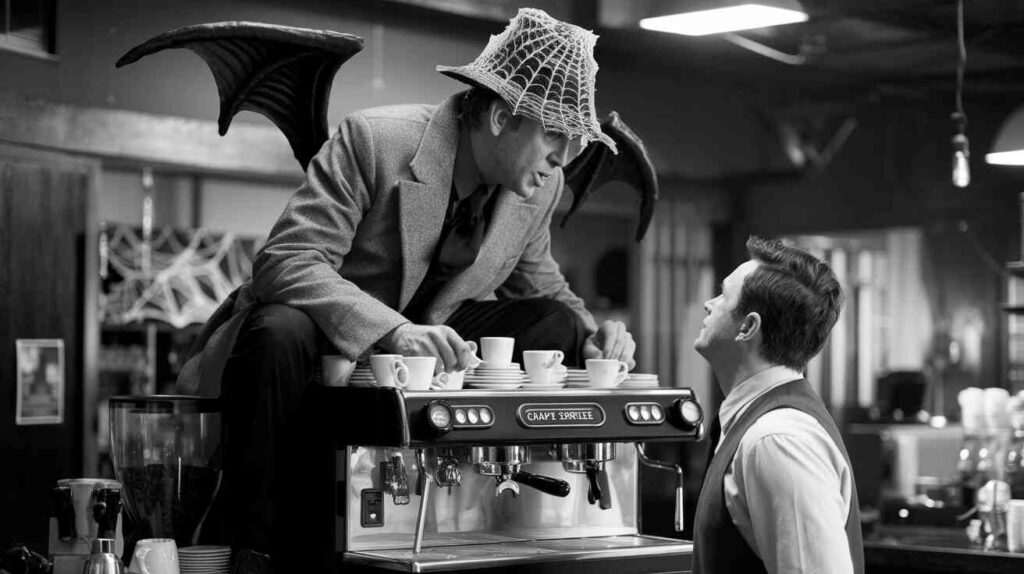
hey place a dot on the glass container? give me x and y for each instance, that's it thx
(166, 454)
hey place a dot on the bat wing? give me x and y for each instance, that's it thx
(597, 165)
(281, 72)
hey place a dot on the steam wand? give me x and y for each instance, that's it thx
(679, 481)
(424, 483)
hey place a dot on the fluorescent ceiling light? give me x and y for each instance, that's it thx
(1008, 148)
(720, 20)
(1015, 157)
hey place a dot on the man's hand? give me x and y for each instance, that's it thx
(611, 341)
(439, 341)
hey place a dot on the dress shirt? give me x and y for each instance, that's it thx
(788, 488)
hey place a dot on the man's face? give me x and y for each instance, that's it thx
(721, 325)
(527, 156)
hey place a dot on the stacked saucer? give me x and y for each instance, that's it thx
(577, 378)
(362, 376)
(640, 381)
(204, 559)
(495, 377)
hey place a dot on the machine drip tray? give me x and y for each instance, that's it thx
(519, 552)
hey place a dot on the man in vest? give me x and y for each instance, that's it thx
(779, 493)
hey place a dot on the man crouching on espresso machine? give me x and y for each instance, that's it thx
(409, 218)
(779, 494)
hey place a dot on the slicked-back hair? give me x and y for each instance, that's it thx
(475, 102)
(798, 298)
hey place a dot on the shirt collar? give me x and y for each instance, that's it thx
(749, 389)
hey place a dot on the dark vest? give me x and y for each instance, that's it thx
(718, 546)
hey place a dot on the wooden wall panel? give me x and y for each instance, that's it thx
(44, 206)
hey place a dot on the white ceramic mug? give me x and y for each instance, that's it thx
(1015, 526)
(155, 556)
(421, 373)
(541, 366)
(497, 351)
(449, 382)
(389, 370)
(606, 373)
(336, 370)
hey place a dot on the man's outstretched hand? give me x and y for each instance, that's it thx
(611, 341)
(439, 341)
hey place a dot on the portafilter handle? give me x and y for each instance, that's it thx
(545, 484)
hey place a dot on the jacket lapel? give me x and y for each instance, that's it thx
(422, 203)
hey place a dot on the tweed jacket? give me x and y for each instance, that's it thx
(356, 239)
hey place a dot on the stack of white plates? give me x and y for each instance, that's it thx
(362, 377)
(496, 378)
(204, 559)
(577, 378)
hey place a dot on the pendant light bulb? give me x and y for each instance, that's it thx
(961, 167)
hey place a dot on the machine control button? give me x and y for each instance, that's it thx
(645, 413)
(688, 412)
(472, 416)
(440, 416)
(656, 413)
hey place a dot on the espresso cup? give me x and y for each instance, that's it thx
(606, 373)
(541, 366)
(1015, 525)
(421, 373)
(155, 556)
(497, 351)
(449, 381)
(389, 370)
(336, 370)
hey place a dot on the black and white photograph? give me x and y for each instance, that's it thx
(40, 381)
(512, 286)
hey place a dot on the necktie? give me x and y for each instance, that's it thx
(465, 234)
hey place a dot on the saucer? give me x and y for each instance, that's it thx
(508, 366)
(494, 386)
(542, 386)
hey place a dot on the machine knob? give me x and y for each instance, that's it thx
(440, 416)
(688, 413)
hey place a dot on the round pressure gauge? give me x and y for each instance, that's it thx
(440, 416)
(688, 413)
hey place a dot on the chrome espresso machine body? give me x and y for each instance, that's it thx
(517, 480)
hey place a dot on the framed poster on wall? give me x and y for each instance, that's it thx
(40, 398)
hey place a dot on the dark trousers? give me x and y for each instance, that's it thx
(271, 449)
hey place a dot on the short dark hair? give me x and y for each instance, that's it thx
(475, 102)
(798, 298)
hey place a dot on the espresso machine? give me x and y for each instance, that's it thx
(84, 510)
(497, 481)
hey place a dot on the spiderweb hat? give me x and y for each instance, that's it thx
(544, 69)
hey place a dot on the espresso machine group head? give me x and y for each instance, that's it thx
(477, 479)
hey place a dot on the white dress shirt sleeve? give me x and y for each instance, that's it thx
(789, 495)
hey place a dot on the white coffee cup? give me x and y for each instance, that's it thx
(1015, 526)
(606, 373)
(497, 351)
(421, 373)
(450, 381)
(155, 556)
(336, 370)
(389, 370)
(541, 366)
